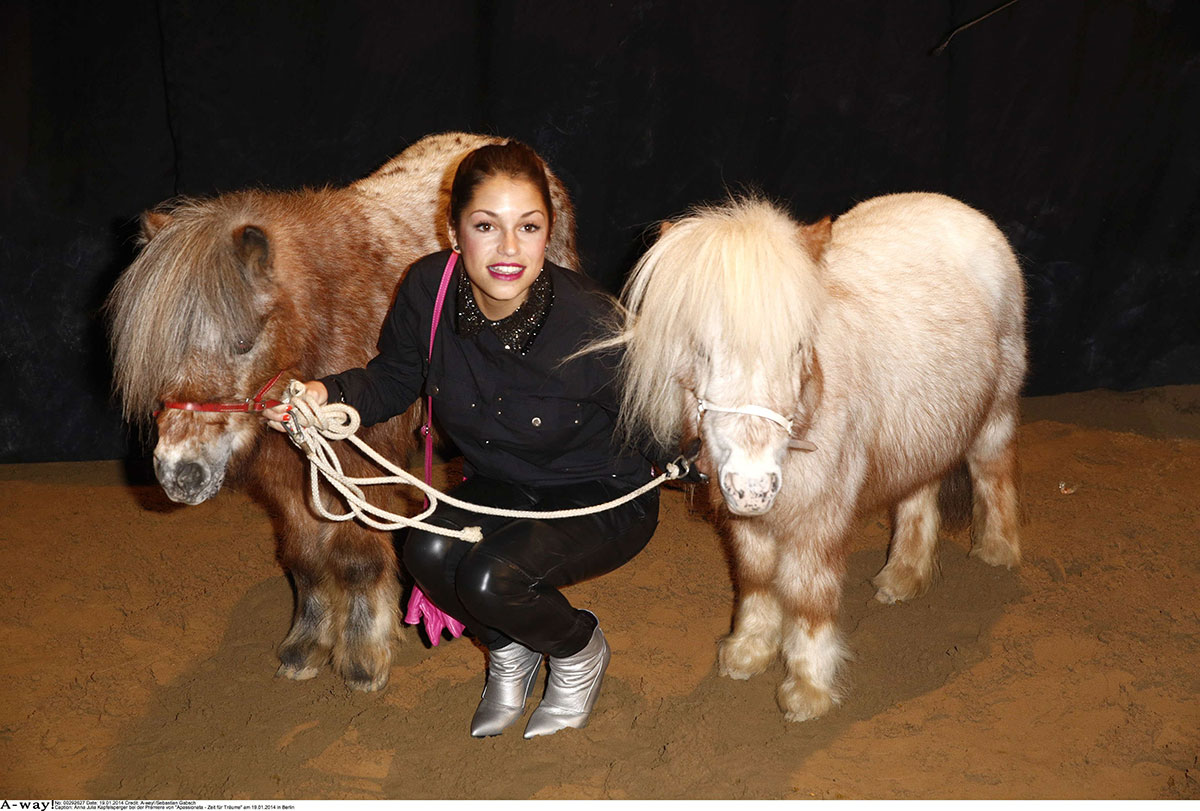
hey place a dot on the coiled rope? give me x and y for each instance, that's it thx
(312, 426)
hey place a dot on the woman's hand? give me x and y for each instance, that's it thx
(276, 417)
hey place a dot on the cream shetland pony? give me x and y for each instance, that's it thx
(830, 369)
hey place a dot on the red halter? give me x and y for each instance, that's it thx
(257, 404)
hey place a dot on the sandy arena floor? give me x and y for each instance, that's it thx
(139, 639)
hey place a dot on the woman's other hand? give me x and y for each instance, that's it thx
(278, 415)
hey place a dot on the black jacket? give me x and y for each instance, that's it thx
(527, 418)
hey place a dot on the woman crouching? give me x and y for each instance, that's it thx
(535, 432)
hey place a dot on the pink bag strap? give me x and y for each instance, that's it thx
(437, 314)
(420, 607)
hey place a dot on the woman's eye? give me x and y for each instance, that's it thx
(531, 228)
(242, 346)
(483, 226)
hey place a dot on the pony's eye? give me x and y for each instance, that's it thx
(242, 346)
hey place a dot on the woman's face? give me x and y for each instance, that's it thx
(502, 233)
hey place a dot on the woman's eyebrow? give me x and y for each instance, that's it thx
(494, 214)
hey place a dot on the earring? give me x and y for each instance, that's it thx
(455, 248)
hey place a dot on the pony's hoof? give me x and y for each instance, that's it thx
(359, 679)
(742, 658)
(899, 582)
(998, 553)
(801, 700)
(296, 673)
(886, 597)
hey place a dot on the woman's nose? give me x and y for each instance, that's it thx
(509, 244)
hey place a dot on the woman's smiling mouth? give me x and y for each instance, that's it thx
(506, 272)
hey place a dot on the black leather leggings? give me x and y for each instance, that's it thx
(506, 587)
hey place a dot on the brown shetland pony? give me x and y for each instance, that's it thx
(229, 291)
(830, 370)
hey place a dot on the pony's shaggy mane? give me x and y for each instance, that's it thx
(738, 278)
(186, 291)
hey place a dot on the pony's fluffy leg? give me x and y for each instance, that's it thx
(993, 463)
(756, 636)
(809, 584)
(367, 606)
(306, 647)
(911, 564)
(757, 623)
(813, 652)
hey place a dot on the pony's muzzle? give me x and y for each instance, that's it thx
(186, 482)
(750, 494)
(190, 476)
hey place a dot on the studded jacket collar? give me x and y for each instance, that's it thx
(517, 331)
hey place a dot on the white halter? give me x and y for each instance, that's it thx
(759, 411)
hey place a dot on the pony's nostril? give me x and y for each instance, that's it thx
(774, 483)
(190, 476)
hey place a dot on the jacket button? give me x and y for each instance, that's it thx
(536, 421)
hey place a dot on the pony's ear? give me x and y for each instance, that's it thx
(153, 222)
(664, 227)
(252, 248)
(816, 237)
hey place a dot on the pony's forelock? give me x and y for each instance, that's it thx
(185, 291)
(687, 298)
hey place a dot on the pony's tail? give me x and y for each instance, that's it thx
(956, 498)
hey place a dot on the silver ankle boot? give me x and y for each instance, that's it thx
(512, 671)
(572, 689)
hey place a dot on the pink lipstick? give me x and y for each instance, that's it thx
(506, 273)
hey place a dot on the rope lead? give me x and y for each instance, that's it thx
(312, 427)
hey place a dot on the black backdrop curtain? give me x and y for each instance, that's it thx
(1073, 123)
